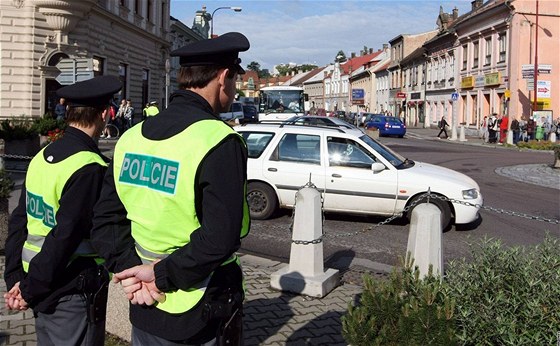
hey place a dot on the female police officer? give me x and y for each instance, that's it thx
(50, 264)
(173, 207)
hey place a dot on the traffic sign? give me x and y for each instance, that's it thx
(455, 96)
(543, 88)
(74, 70)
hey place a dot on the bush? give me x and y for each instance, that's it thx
(48, 124)
(536, 145)
(6, 184)
(507, 296)
(405, 310)
(17, 128)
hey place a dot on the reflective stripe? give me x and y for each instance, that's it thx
(147, 256)
(36, 240)
(27, 254)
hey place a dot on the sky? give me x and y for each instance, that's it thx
(313, 32)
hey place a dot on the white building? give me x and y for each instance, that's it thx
(125, 38)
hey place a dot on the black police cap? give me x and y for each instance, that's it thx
(93, 92)
(222, 51)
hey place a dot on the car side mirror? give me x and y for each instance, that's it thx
(377, 167)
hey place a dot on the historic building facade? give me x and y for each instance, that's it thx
(125, 38)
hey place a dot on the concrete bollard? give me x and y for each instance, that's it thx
(424, 238)
(305, 273)
(462, 134)
(552, 137)
(453, 133)
(509, 139)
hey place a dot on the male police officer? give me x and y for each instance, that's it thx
(173, 207)
(50, 264)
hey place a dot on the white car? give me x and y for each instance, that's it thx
(235, 112)
(355, 173)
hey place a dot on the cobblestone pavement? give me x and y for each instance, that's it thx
(271, 317)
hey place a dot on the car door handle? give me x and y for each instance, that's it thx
(272, 169)
(334, 175)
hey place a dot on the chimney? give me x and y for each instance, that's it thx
(476, 4)
(455, 13)
(385, 46)
(370, 50)
(352, 55)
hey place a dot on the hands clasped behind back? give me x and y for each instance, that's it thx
(139, 285)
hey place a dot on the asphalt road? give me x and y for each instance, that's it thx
(359, 239)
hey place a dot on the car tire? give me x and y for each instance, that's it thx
(442, 205)
(262, 201)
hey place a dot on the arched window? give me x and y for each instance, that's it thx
(55, 59)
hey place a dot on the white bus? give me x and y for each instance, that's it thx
(278, 103)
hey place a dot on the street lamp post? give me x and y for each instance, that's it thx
(235, 8)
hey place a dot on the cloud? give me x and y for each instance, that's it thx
(314, 31)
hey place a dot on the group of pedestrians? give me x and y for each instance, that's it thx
(159, 215)
(494, 129)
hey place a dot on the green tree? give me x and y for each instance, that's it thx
(254, 66)
(340, 57)
(283, 69)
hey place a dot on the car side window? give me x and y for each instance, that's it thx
(299, 148)
(345, 152)
(256, 142)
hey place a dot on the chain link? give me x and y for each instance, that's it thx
(424, 198)
(13, 156)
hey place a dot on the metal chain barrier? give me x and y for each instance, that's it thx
(12, 156)
(418, 200)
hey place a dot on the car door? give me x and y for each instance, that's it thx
(293, 163)
(351, 185)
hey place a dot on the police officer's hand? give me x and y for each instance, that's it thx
(139, 284)
(13, 299)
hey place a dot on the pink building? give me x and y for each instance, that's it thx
(495, 51)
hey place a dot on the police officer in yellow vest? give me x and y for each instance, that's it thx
(150, 110)
(51, 266)
(173, 207)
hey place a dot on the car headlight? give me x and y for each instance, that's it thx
(470, 194)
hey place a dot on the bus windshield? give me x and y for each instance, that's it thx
(282, 101)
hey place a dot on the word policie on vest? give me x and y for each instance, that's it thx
(152, 172)
(38, 209)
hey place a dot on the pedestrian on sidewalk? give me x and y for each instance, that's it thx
(50, 264)
(504, 124)
(170, 233)
(493, 128)
(442, 124)
(484, 129)
(516, 130)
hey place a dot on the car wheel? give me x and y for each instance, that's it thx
(262, 201)
(442, 205)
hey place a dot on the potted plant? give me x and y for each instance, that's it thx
(49, 129)
(6, 187)
(20, 137)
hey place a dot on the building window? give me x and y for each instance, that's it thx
(503, 47)
(145, 84)
(137, 7)
(122, 2)
(150, 8)
(488, 52)
(475, 55)
(98, 66)
(465, 56)
(123, 77)
(452, 65)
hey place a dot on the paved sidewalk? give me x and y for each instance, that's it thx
(271, 317)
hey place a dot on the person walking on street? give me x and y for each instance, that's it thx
(442, 124)
(170, 233)
(50, 264)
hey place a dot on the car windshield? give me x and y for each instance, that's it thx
(394, 158)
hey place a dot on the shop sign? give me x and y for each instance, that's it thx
(494, 78)
(467, 82)
(415, 96)
(401, 95)
(479, 81)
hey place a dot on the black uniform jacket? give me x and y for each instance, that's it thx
(49, 276)
(219, 195)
